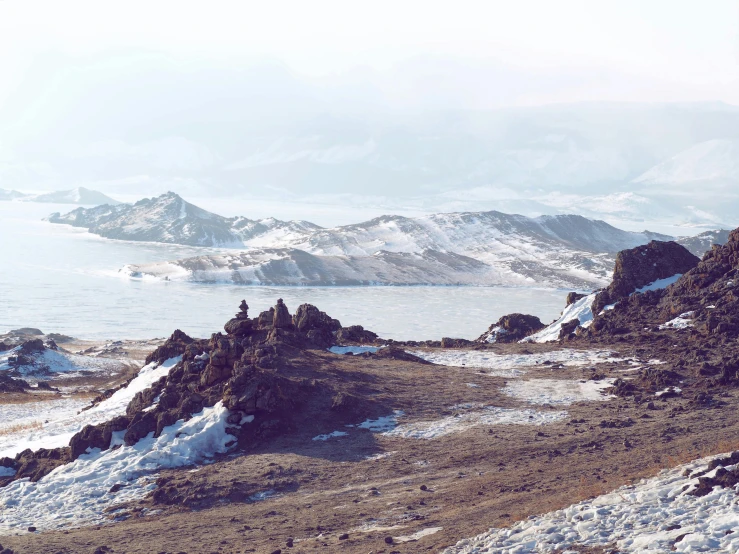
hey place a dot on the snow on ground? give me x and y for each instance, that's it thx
(78, 493)
(59, 362)
(353, 349)
(330, 436)
(655, 515)
(384, 423)
(489, 415)
(660, 283)
(560, 392)
(683, 321)
(64, 423)
(506, 365)
(417, 535)
(17, 418)
(581, 310)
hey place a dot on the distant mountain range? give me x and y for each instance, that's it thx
(471, 248)
(79, 195)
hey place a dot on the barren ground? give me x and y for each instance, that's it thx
(370, 487)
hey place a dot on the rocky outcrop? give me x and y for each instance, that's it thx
(250, 369)
(10, 384)
(173, 347)
(574, 297)
(640, 266)
(512, 328)
(356, 334)
(703, 304)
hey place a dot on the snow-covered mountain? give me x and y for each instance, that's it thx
(79, 195)
(452, 248)
(700, 244)
(172, 220)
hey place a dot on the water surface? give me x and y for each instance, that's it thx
(65, 280)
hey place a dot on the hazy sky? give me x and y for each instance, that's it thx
(654, 50)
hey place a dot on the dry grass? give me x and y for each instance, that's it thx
(17, 428)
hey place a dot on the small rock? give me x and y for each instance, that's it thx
(388, 540)
(424, 488)
(289, 543)
(343, 536)
(31, 529)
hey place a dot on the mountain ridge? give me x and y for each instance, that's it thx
(460, 248)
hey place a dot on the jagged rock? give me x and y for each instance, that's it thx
(568, 328)
(30, 347)
(141, 425)
(317, 325)
(252, 375)
(98, 436)
(173, 347)
(11, 384)
(574, 297)
(355, 333)
(512, 328)
(643, 265)
(282, 318)
(35, 465)
(266, 319)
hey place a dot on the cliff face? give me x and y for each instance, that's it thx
(641, 266)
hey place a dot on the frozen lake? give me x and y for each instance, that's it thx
(65, 280)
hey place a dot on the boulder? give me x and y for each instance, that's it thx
(511, 328)
(643, 265)
(355, 333)
(574, 297)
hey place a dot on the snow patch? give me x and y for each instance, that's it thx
(580, 310)
(330, 436)
(558, 391)
(64, 423)
(78, 493)
(683, 321)
(660, 283)
(506, 365)
(643, 518)
(461, 422)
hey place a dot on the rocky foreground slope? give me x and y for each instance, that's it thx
(382, 451)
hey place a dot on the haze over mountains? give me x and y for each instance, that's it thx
(79, 195)
(628, 163)
(480, 248)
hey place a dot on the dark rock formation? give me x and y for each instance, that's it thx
(512, 328)
(10, 384)
(574, 297)
(251, 370)
(643, 265)
(175, 346)
(357, 334)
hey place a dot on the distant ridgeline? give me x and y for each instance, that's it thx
(470, 248)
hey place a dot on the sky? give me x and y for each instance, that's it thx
(653, 50)
(386, 104)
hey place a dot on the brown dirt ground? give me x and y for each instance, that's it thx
(485, 476)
